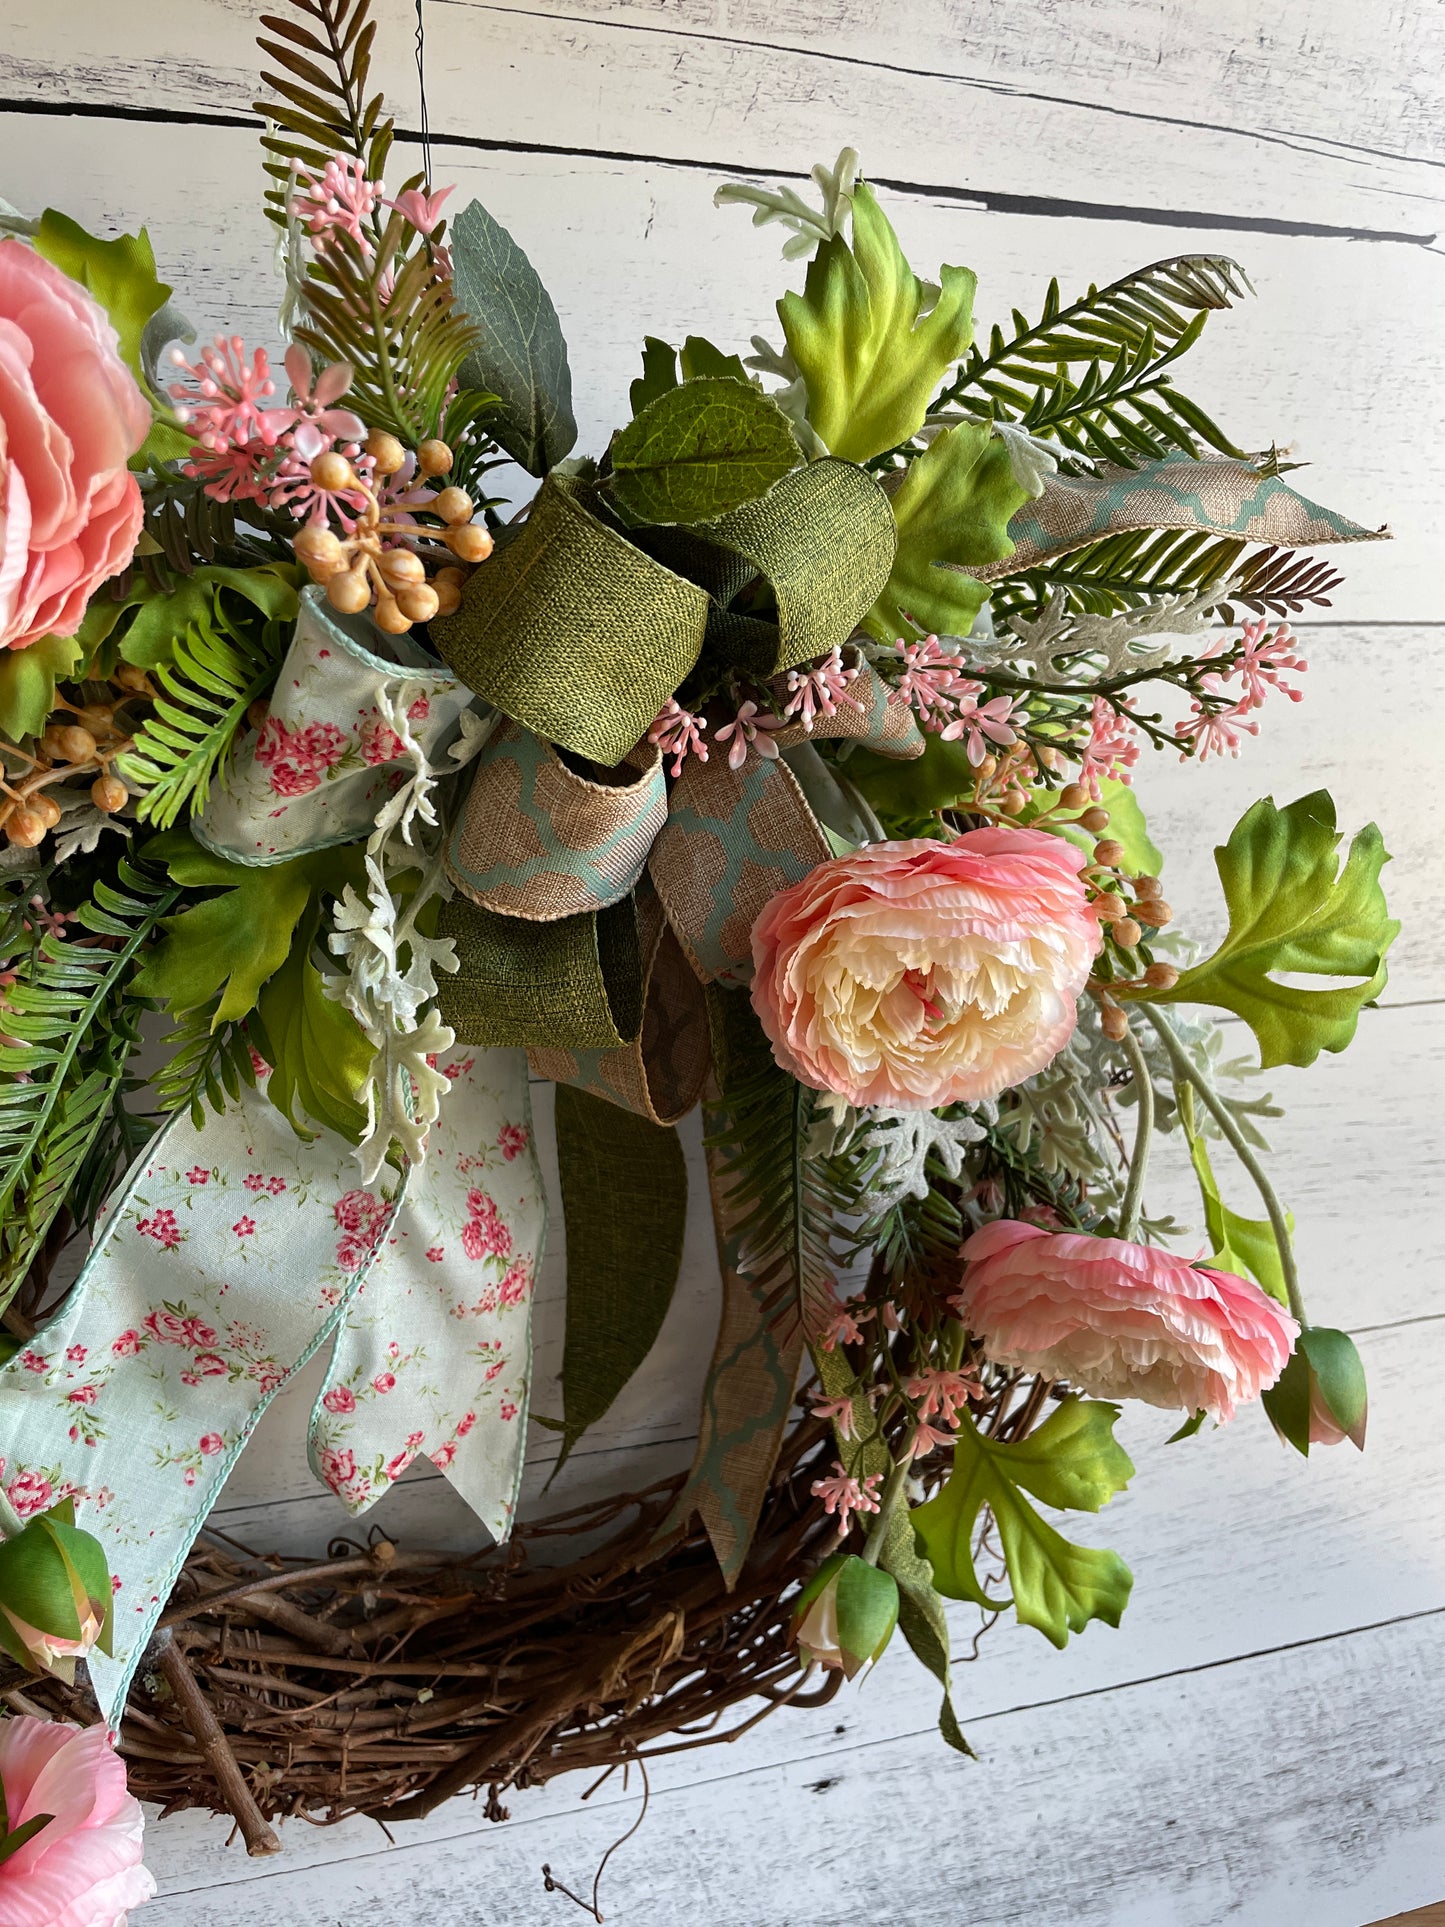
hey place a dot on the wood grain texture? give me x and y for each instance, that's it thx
(1261, 1742)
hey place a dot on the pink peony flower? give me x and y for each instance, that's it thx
(71, 415)
(1121, 1320)
(83, 1868)
(914, 975)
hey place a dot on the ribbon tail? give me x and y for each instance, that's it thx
(434, 1359)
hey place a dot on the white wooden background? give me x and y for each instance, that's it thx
(1262, 1742)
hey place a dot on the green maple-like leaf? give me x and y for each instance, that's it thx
(1292, 908)
(521, 356)
(701, 449)
(869, 356)
(121, 274)
(27, 683)
(952, 509)
(319, 1055)
(1073, 1461)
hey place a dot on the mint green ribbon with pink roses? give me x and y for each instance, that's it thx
(229, 1256)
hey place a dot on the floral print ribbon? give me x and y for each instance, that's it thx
(228, 1257)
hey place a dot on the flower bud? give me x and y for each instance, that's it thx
(385, 451)
(1110, 852)
(68, 743)
(1126, 932)
(1073, 796)
(1113, 1023)
(55, 1593)
(401, 569)
(434, 458)
(25, 828)
(1155, 912)
(349, 592)
(332, 471)
(1161, 976)
(454, 505)
(1014, 802)
(469, 543)
(1321, 1397)
(1095, 820)
(418, 603)
(108, 793)
(319, 551)
(46, 808)
(846, 1613)
(1146, 886)
(388, 615)
(130, 676)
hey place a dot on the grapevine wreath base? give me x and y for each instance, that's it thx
(383, 1681)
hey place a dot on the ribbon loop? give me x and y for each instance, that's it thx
(576, 982)
(538, 840)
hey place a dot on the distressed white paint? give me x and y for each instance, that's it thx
(1261, 1742)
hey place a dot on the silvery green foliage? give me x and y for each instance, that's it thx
(1032, 460)
(389, 983)
(1086, 648)
(810, 225)
(894, 1147)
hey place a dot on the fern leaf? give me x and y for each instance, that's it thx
(176, 752)
(207, 1063)
(320, 106)
(70, 1030)
(1127, 570)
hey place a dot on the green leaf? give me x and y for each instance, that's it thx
(1240, 1245)
(921, 1617)
(521, 356)
(659, 373)
(700, 450)
(869, 356)
(1071, 1460)
(952, 509)
(1291, 908)
(121, 274)
(700, 357)
(624, 1198)
(319, 1055)
(27, 683)
(166, 618)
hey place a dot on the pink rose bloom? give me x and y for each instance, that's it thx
(71, 416)
(918, 974)
(340, 1398)
(211, 1443)
(84, 1868)
(294, 779)
(1121, 1320)
(338, 1467)
(29, 1492)
(384, 1381)
(127, 1345)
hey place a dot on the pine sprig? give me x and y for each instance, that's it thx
(321, 106)
(207, 1063)
(1140, 565)
(1123, 407)
(217, 674)
(70, 1030)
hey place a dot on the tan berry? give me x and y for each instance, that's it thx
(349, 592)
(1127, 932)
(98, 718)
(45, 807)
(1073, 796)
(1095, 819)
(454, 505)
(332, 471)
(319, 551)
(472, 542)
(418, 604)
(25, 827)
(388, 615)
(1156, 913)
(132, 677)
(1014, 802)
(1107, 907)
(1109, 851)
(1161, 976)
(70, 743)
(385, 451)
(448, 595)
(1146, 886)
(401, 569)
(1113, 1022)
(108, 793)
(434, 458)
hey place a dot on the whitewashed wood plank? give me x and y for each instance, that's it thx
(1291, 367)
(1237, 1546)
(1278, 1789)
(650, 86)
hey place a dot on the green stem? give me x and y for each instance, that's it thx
(892, 1491)
(1188, 1072)
(1143, 1136)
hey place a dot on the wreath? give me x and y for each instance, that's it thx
(777, 759)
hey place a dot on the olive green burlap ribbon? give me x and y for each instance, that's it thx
(582, 631)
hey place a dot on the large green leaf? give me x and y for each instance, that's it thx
(1242, 1245)
(952, 509)
(701, 449)
(1293, 909)
(235, 941)
(921, 1617)
(1071, 1460)
(522, 356)
(319, 1055)
(121, 274)
(869, 356)
(27, 683)
(204, 600)
(624, 1195)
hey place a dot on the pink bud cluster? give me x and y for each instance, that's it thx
(946, 701)
(1259, 665)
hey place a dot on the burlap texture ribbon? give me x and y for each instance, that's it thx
(575, 982)
(232, 1253)
(1215, 494)
(538, 840)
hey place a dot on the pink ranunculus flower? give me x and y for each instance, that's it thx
(914, 975)
(1121, 1320)
(82, 1869)
(71, 416)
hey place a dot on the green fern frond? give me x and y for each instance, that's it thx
(204, 1065)
(217, 674)
(70, 1030)
(1127, 570)
(320, 106)
(1123, 407)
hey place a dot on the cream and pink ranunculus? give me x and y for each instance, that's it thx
(83, 1868)
(71, 416)
(914, 975)
(1121, 1320)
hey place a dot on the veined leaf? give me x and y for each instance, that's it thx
(319, 1055)
(27, 683)
(1071, 1460)
(700, 450)
(952, 508)
(1292, 908)
(660, 363)
(921, 1617)
(869, 356)
(521, 355)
